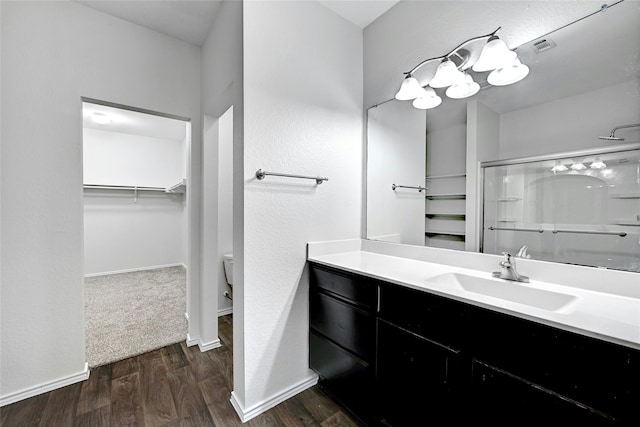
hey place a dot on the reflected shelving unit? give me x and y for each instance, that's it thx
(445, 211)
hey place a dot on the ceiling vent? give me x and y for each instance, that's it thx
(542, 45)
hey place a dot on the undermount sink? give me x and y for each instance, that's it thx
(506, 290)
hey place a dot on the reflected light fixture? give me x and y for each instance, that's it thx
(453, 72)
(598, 164)
(100, 118)
(429, 99)
(558, 167)
(466, 88)
(410, 89)
(578, 166)
(511, 73)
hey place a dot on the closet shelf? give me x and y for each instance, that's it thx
(448, 216)
(459, 175)
(450, 196)
(446, 233)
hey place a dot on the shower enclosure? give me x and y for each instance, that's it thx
(579, 208)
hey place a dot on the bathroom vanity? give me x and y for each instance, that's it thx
(405, 342)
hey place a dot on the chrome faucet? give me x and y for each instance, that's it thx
(508, 271)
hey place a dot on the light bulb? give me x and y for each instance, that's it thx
(578, 166)
(410, 89)
(494, 55)
(429, 99)
(464, 89)
(447, 74)
(509, 74)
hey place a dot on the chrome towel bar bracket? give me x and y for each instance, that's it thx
(260, 174)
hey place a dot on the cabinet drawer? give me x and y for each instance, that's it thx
(439, 319)
(355, 289)
(345, 377)
(345, 324)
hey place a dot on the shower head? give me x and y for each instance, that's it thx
(612, 137)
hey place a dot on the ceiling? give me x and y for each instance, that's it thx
(133, 122)
(191, 20)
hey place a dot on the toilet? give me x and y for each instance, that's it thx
(227, 260)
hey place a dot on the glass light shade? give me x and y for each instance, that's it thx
(464, 89)
(598, 164)
(447, 74)
(410, 89)
(512, 73)
(429, 99)
(494, 55)
(558, 167)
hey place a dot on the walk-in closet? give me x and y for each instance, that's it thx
(135, 230)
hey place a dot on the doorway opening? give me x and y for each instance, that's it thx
(136, 229)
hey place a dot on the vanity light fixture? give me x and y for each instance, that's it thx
(466, 88)
(410, 89)
(559, 167)
(511, 73)
(598, 164)
(100, 118)
(495, 54)
(447, 74)
(453, 71)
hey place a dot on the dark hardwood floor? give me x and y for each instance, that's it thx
(172, 386)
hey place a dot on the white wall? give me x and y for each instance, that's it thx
(560, 125)
(52, 54)
(221, 89)
(396, 153)
(113, 158)
(225, 202)
(303, 114)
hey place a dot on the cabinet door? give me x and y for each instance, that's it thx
(417, 379)
(347, 378)
(501, 398)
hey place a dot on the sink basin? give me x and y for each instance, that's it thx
(506, 290)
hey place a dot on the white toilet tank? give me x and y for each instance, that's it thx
(227, 260)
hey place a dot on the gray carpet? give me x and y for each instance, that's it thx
(132, 313)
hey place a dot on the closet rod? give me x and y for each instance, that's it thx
(123, 187)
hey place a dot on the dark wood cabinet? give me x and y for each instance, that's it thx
(342, 338)
(398, 357)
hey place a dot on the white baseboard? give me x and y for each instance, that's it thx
(209, 345)
(225, 311)
(132, 270)
(45, 387)
(257, 409)
(203, 346)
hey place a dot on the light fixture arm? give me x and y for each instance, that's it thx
(417, 67)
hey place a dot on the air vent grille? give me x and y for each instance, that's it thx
(543, 45)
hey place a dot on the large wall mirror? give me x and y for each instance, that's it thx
(488, 172)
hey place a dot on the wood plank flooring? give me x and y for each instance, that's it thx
(172, 386)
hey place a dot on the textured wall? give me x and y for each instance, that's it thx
(52, 54)
(303, 114)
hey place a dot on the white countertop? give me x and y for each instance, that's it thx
(608, 316)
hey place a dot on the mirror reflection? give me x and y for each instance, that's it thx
(582, 92)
